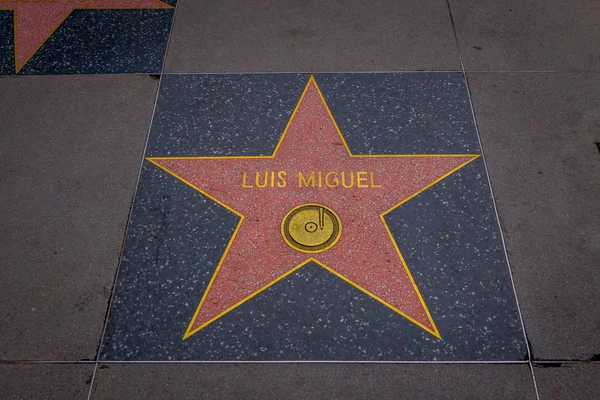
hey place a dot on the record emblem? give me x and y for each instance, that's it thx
(311, 228)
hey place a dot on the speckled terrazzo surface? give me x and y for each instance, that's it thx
(447, 234)
(86, 37)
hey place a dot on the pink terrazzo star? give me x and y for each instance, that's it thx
(365, 255)
(36, 20)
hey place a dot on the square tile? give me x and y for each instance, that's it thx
(530, 35)
(357, 35)
(71, 163)
(334, 217)
(568, 381)
(84, 37)
(340, 381)
(45, 381)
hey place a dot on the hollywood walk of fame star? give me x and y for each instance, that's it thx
(365, 255)
(35, 21)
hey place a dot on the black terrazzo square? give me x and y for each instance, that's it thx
(91, 37)
(179, 237)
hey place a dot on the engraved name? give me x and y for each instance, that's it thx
(310, 179)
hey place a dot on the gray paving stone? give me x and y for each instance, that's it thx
(538, 133)
(288, 381)
(45, 381)
(569, 382)
(528, 35)
(71, 149)
(259, 35)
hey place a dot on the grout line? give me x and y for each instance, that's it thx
(312, 72)
(500, 71)
(83, 75)
(304, 73)
(386, 72)
(567, 362)
(141, 165)
(537, 393)
(46, 362)
(542, 363)
(112, 295)
(529, 354)
(162, 70)
(315, 362)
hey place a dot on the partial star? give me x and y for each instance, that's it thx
(36, 20)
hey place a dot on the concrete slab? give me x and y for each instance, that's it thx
(528, 35)
(45, 381)
(71, 149)
(260, 35)
(167, 381)
(538, 134)
(568, 382)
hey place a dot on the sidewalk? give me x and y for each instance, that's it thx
(143, 258)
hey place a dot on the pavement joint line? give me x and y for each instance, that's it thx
(112, 294)
(562, 362)
(528, 344)
(305, 72)
(313, 72)
(141, 163)
(315, 362)
(47, 362)
(535, 363)
(475, 71)
(537, 393)
(529, 354)
(529, 351)
(76, 75)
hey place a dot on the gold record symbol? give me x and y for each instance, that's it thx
(311, 228)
